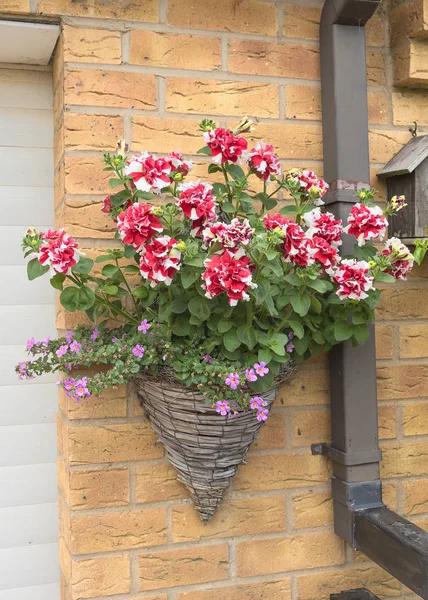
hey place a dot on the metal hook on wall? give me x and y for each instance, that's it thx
(414, 130)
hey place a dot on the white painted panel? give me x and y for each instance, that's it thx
(49, 591)
(33, 565)
(28, 404)
(38, 524)
(16, 290)
(28, 484)
(26, 166)
(11, 356)
(18, 323)
(26, 128)
(35, 203)
(27, 444)
(27, 43)
(10, 245)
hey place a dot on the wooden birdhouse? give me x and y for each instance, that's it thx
(407, 174)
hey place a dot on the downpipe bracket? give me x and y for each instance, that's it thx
(346, 458)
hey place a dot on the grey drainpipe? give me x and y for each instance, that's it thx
(360, 517)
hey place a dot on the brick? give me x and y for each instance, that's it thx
(261, 590)
(377, 107)
(415, 418)
(319, 586)
(406, 21)
(409, 106)
(306, 387)
(186, 566)
(375, 63)
(175, 51)
(387, 416)
(404, 460)
(85, 175)
(303, 102)
(118, 531)
(389, 495)
(84, 219)
(273, 59)
(15, 6)
(301, 22)
(112, 443)
(276, 555)
(159, 134)
(217, 97)
(91, 132)
(414, 341)
(313, 509)
(402, 381)
(103, 576)
(98, 489)
(273, 433)
(236, 517)
(111, 403)
(133, 10)
(374, 30)
(154, 597)
(92, 45)
(95, 87)
(403, 302)
(310, 426)
(224, 15)
(410, 64)
(158, 482)
(416, 497)
(280, 471)
(383, 144)
(291, 141)
(384, 342)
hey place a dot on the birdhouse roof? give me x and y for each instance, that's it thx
(408, 158)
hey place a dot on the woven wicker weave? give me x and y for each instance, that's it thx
(204, 447)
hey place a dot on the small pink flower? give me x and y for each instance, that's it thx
(222, 407)
(75, 347)
(256, 402)
(261, 369)
(164, 357)
(95, 334)
(62, 350)
(31, 342)
(208, 358)
(289, 347)
(262, 414)
(138, 351)
(144, 326)
(232, 380)
(107, 205)
(250, 375)
(69, 337)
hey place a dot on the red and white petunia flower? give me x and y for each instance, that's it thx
(401, 258)
(228, 273)
(324, 254)
(309, 182)
(107, 205)
(353, 279)
(137, 224)
(224, 145)
(179, 164)
(197, 203)
(297, 247)
(324, 225)
(274, 221)
(59, 251)
(148, 173)
(366, 223)
(263, 160)
(160, 260)
(230, 235)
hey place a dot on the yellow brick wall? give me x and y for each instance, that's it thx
(150, 72)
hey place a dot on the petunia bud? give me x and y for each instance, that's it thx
(244, 126)
(122, 147)
(157, 211)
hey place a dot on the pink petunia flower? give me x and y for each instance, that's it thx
(366, 223)
(353, 279)
(159, 261)
(228, 273)
(148, 173)
(224, 145)
(197, 203)
(264, 162)
(137, 224)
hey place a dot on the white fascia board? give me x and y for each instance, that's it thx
(27, 43)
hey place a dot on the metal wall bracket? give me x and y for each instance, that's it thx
(347, 458)
(358, 594)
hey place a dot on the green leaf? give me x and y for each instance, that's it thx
(261, 292)
(386, 277)
(263, 384)
(267, 202)
(144, 195)
(131, 269)
(293, 280)
(129, 251)
(231, 340)
(84, 266)
(228, 207)
(297, 328)
(224, 325)
(35, 269)
(361, 333)
(181, 326)
(342, 331)
(57, 281)
(188, 276)
(205, 150)
(77, 298)
(212, 168)
(179, 304)
(235, 172)
(196, 261)
(288, 210)
(141, 292)
(320, 285)
(194, 320)
(219, 189)
(119, 198)
(110, 290)
(109, 270)
(247, 336)
(103, 258)
(300, 346)
(265, 355)
(200, 307)
(278, 342)
(114, 182)
(300, 304)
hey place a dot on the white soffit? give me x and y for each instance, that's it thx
(27, 43)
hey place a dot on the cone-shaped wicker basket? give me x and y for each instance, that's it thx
(204, 447)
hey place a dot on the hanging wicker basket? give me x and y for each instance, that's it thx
(204, 447)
